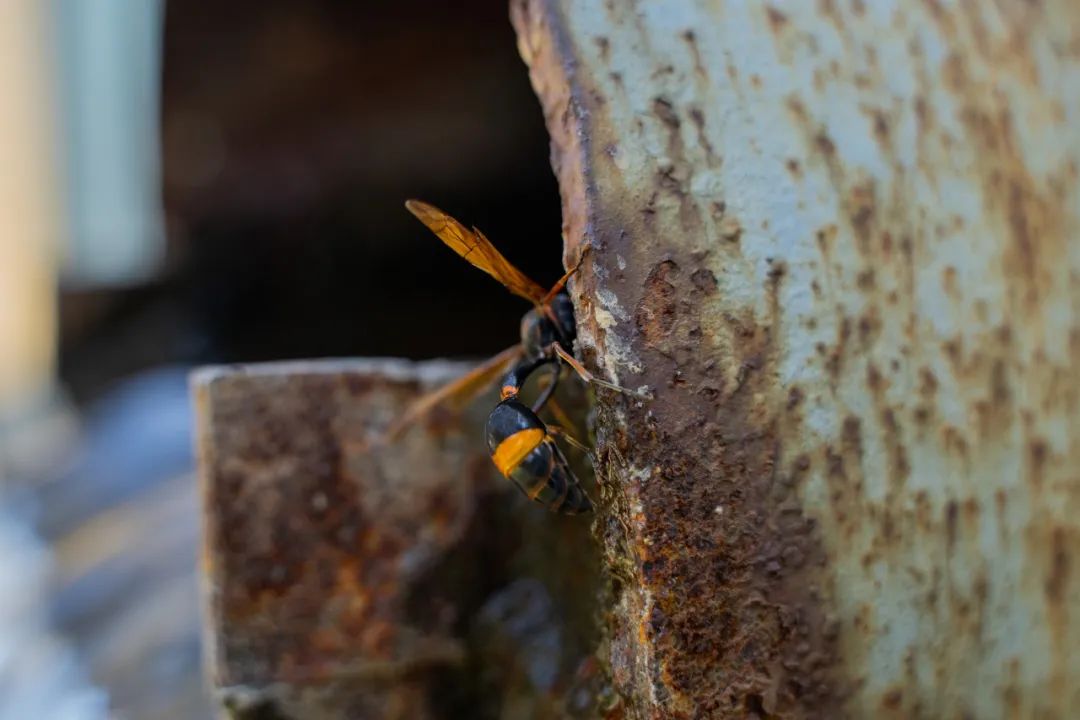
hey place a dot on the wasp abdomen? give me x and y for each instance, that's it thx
(526, 454)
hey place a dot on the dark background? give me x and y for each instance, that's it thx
(292, 132)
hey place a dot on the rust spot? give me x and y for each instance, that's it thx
(949, 283)
(928, 383)
(698, 119)
(922, 114)
(866, 280)
(999, 386)
(874, 379)
(954, 441)
(893, 699)
(798, 109)
(880, 124)
(825, 144)
(861, 209)
(1060, 566)
(952, 513)
(869, 327)
(777, 19)
(664, 110)
(777, 270)
(656, 314)
(793, 167)
(852, 434)
(604, 45)
(1004, 335)
(704, 280)
(1038, 451)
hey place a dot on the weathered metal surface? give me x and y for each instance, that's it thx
(349, 578)
(314, 544)
(838, 241)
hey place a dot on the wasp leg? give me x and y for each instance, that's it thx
(557, 287)
(558, 431)
(588, 376)
(548, 390)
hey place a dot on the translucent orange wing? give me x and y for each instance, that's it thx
(456, 394)
(477, 249)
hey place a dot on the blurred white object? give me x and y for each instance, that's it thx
(109, 67)
(40, 676)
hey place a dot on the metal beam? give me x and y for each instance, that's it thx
(838, 242)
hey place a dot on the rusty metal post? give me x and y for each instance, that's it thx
(839, 243)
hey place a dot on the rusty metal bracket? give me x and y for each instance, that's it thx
(348, 578)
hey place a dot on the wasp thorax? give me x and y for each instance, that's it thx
(539, 329)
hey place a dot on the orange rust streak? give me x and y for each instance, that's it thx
(515, 448)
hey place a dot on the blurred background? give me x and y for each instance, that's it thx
(188, 183)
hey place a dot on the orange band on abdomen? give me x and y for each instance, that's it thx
(511, 451)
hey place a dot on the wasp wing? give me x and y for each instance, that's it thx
(456, 394)
(477, 249)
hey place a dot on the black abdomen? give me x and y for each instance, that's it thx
(543, 473)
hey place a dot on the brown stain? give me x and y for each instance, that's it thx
(700, 72)
(777, 20)
(880, 127)
(654, 317)
(949, 283)
(1060, 564)
(604, 46)
(952, 515)
(1038, 451)
(698, 118)
(704, 281)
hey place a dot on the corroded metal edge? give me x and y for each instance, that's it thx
(700, 622)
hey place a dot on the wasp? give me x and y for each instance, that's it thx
(522, 446)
